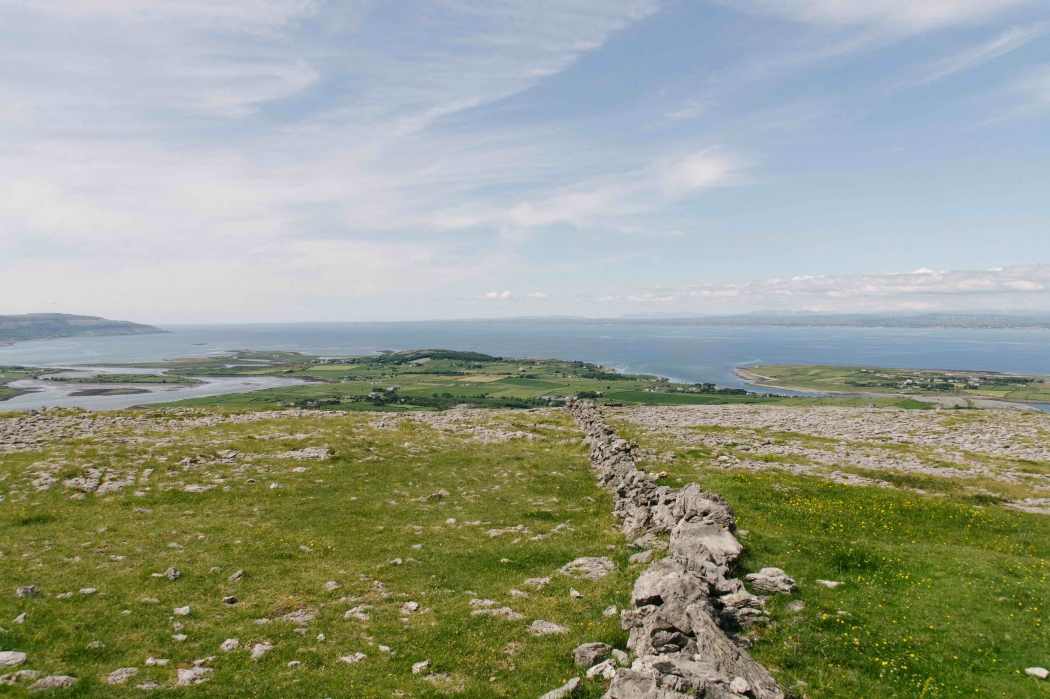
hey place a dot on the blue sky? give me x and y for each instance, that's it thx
(256, 160)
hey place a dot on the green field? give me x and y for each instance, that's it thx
(879, 380)
(943, 595)
(436, 380)
(371, 519)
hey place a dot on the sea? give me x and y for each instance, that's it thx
(684, 353)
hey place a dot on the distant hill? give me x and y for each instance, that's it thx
(42, 326)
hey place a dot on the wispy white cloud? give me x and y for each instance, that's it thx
(538, 295)
(1006, 42)
(1034, 89)
(691, 109)
(899, 15)
(1017, 287)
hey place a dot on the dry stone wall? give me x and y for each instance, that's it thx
(686, 609)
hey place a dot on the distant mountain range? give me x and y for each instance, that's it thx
(960, 320)
(42, 326)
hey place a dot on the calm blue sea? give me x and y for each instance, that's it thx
(684, 353)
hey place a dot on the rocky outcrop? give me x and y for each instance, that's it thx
(686, 609)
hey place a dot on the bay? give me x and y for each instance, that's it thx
(681, 353)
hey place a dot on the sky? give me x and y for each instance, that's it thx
(303, 160)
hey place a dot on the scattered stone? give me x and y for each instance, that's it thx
(64, 595)
(358, 612)
(299, 616)
(121, 676)
(229, 599)
(543, 628)
(260, 649)
(483, 603)
(88, 591)
(159, 662)
(172, 574)
(148, 686)
(575, 594)
(52, 682)
(772, 580)
(563, 691)
(143, 510)
(518, 593)
(236, 576)
(589, 568)
(796, 605)
(331, 585)
(409, 607)
(643, 557)
(830, 584)
(96, 645)
(590, 654)
(650, 541)
(20, 619)
(1040, 672)
(179, 637)
(292, 664)
(195, 675)
(11, 658)
(605, 669)
(149, 600)
(621, 658)
(353, 658)
(538, 583)
(230, 644)
(318, 453)
(182, 611)
(28, 591)
(13, 678)
(421, 666)
(499, 611)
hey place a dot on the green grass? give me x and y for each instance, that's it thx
(340, 510)
(919, 382)
(943, 597)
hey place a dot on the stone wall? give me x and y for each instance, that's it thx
(686, 610)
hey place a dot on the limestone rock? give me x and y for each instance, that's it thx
(13, 678)
(772, 580)
(230, 644)
(589, 654)
(121, 676)
(28, 591)
(194, 675)
(830, 584)
(11, 658)
(605, 669)
(499, 611)
(588, 567)
(421, 666)
(52, 682)
(544, 628)
(1040, 672)
(261, 649)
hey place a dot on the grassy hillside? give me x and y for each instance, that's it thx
(40, 326)
(943, 588)
(402, 512)
(880, 380)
